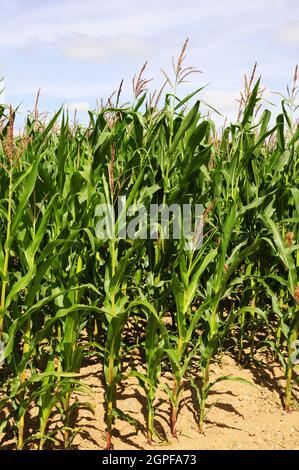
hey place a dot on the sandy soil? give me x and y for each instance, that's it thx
(244, 417)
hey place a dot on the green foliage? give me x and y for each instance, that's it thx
(67, 295)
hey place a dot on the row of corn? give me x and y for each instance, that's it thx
(68, 295)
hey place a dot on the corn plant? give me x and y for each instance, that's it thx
(68, 294)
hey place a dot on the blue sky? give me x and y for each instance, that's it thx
(78, 51)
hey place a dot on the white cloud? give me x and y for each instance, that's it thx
(7, 6)
(80, 107)
(65, 91)
(100, 49)
(289, 33)
(254, 5)
(223, 101)
(43, 44)
(2, 91)
(52, 20)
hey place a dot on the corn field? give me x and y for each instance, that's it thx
(68, 296)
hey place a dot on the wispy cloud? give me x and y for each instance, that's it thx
(50, 21)
(100, 49)
(289, 33)
(78, 52)
(223, 101)
(80, 107)
(65, 91)
(2, 90)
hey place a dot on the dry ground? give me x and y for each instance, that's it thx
(244, 417)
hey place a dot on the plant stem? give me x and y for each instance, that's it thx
(110, 394)
(288, 389)
(150, 424)
(206, 378)
(66, 432)
(242, 326)
(290, 365)
(174, 409)
(202, 415)
(42, 433)
(21, 424)
(6, 255)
